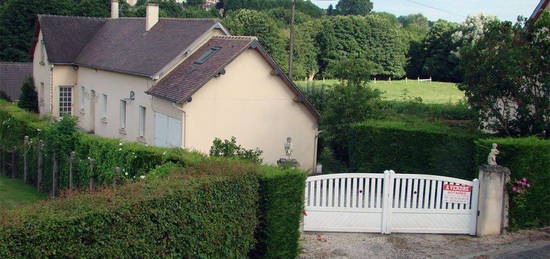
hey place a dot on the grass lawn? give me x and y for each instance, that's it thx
(14, 192)
(430, 92)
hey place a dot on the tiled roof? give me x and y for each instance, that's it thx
(120, 45)
(189, 77)
(12, 75)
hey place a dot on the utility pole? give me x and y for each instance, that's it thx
(291, 51)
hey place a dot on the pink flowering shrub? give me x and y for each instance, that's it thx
(521, 185)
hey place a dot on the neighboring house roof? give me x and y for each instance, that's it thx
(543, 5)
(120, 45)
(12, 75)
(188, 77)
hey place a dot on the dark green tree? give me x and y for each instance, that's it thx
(256, 23)
(304, 6)
(306, 50)
(4, 96)
(354, 7)
(373, 38)
(330, 10)
(29, 97)
(507, 80)
(437, 59)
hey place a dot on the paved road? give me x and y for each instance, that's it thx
(522, 244)
(542, 253)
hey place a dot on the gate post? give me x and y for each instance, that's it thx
(386, 201)
(492, 199)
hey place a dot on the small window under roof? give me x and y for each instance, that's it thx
(207, 55)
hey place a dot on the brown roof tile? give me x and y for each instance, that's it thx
(12, 75)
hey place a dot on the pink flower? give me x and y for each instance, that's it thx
(528, 186)
(514, 189)
(524, 179)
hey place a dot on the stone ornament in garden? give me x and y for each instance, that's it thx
(492, 158)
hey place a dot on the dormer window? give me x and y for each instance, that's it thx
(207, 55)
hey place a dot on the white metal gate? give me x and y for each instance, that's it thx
(390, 202)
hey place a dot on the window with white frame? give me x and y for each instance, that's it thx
(142, 114)
(104, 110)
(122, 114)
(65, 100)
(82, 97)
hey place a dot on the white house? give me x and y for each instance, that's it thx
(170, 82)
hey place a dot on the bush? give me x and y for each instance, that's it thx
(281, 208)
(413, 146)
(178, 216)
(230, 149)
(29, 97)
(529, 158)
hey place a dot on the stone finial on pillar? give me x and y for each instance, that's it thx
(493, 200)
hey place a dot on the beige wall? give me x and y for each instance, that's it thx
(42, 74)
(250, 103)
(116, 86)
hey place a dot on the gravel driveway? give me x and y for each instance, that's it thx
(525, 244)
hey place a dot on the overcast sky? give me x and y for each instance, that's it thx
(451, 10)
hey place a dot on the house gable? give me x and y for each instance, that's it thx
(190, 76)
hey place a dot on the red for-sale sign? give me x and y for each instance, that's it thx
(453, 193)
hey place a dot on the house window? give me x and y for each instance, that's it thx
(42, 52)
(207, 55)
(104, 111)
(82, 97)
(122, 114)
(65, 100)
(142, 112)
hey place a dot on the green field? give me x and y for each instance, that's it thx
(430, 92)
(14, 192)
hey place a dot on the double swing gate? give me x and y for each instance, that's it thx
(390, 202)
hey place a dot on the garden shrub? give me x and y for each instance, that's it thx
(527, 158)
(229, 148)
(280, 212)
(413, 146)
(178, 216)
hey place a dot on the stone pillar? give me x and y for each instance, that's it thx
(493, 209)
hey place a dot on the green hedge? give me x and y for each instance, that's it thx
(413, 146)
(529, 158)
(180, 216)
(449, 111)
(281, 208)
(280, 192)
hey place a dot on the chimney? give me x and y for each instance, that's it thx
(114, 9)
(152, 16)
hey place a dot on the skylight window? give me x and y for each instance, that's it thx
(207, 55)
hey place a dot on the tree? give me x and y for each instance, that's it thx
(354, 7)
(306, 50)
(507, 80)
(373, 38)
(29, 98)
(4, 96)
(415, 26)
(353, 100)
(256, 23)
(330, 10)
(304, 6)
(437, 59)
(18, 17)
